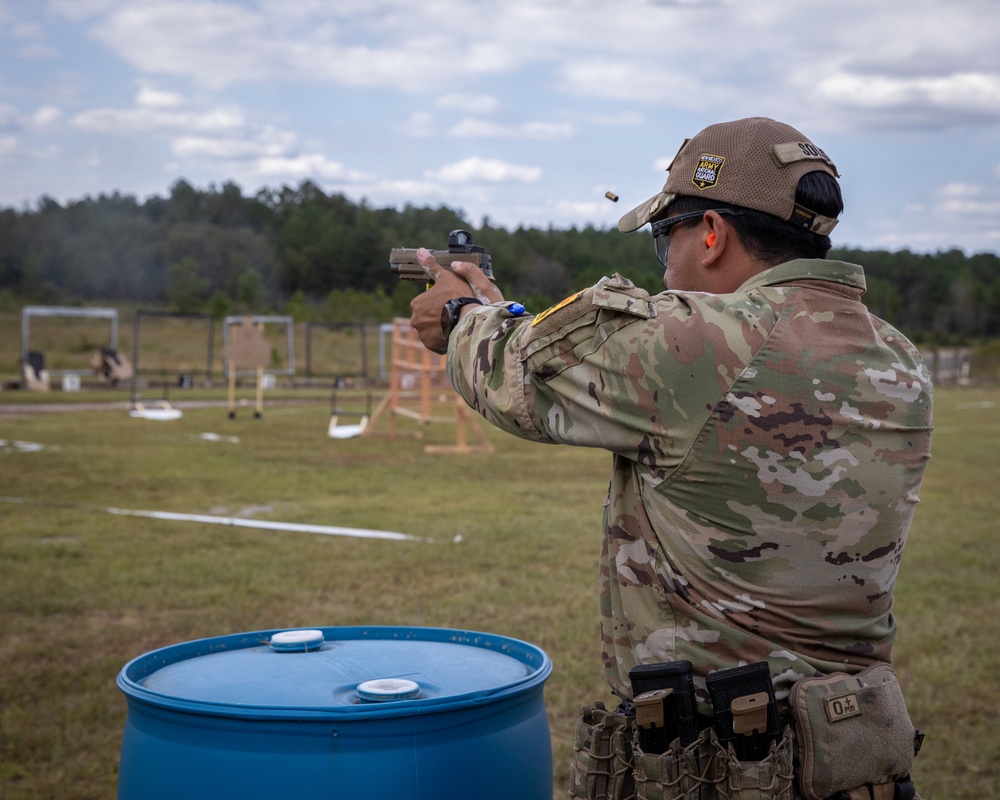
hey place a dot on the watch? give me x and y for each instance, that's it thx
(451, 311)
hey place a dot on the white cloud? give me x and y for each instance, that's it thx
(486, 169)
(150, 97)
(81, 9)
(13, 148)
(217, 44)
(471, 103)
(955, 215)
(933, 102)
(625, 119)
(624, 78)
(153, 120)
(46, 116)
(32, 32)
(397, 192)
(269, 143)
(539, 131)
(687, 54)
(313, 165)
(968, 201)
(212, 42)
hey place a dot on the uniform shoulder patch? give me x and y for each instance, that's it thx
(552, 310)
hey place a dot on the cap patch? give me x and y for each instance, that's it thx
(790, 152)
(706, 173)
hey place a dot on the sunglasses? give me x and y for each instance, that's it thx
(662, 228)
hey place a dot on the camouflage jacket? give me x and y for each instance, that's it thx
(767, 447)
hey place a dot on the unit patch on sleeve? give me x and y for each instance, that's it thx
(561, 304)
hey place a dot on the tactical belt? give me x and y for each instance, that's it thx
(847, 737)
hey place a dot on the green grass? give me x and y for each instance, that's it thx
(84, 591)
(948, 602)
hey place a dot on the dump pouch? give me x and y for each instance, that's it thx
(852, 731)
(601, 768)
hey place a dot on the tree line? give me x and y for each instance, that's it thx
(318, 256)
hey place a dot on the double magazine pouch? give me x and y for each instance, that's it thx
(708, 770)
(602, 755)
(676, 774)
(768, 779)
(853, 734)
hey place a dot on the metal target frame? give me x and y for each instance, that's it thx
(289, 322)
(137, 316)
(27, 312)
(360, 327)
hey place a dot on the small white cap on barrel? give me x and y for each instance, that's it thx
(385, 690)
(297, 641)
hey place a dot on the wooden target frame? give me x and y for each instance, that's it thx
(419, 390)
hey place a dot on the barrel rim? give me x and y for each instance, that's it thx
(148, 663)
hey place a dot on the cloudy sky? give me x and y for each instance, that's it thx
(523, 111)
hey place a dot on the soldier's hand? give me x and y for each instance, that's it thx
(483, 289)
(460, 279)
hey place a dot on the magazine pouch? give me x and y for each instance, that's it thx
(602, 755)
(679, 773)
(769, 779)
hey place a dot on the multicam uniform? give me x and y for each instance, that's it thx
(767, 445)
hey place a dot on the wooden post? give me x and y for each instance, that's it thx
(259, 409)
(231, 404)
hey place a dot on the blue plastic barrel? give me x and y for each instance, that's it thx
(358, 712)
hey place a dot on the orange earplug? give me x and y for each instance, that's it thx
(710, 239)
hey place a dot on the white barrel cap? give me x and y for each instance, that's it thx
(299, 641)
(385, 690)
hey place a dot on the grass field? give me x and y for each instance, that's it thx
(84, 591)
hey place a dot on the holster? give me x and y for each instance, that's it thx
(602, 755)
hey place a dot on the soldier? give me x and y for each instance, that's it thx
(768, 434)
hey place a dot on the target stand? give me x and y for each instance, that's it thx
(419, 390)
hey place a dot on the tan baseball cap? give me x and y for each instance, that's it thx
(753, 163)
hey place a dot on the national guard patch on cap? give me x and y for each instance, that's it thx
(706, 171)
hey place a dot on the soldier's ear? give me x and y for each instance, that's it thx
(716, 239)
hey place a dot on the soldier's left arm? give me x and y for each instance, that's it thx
(594, 370)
